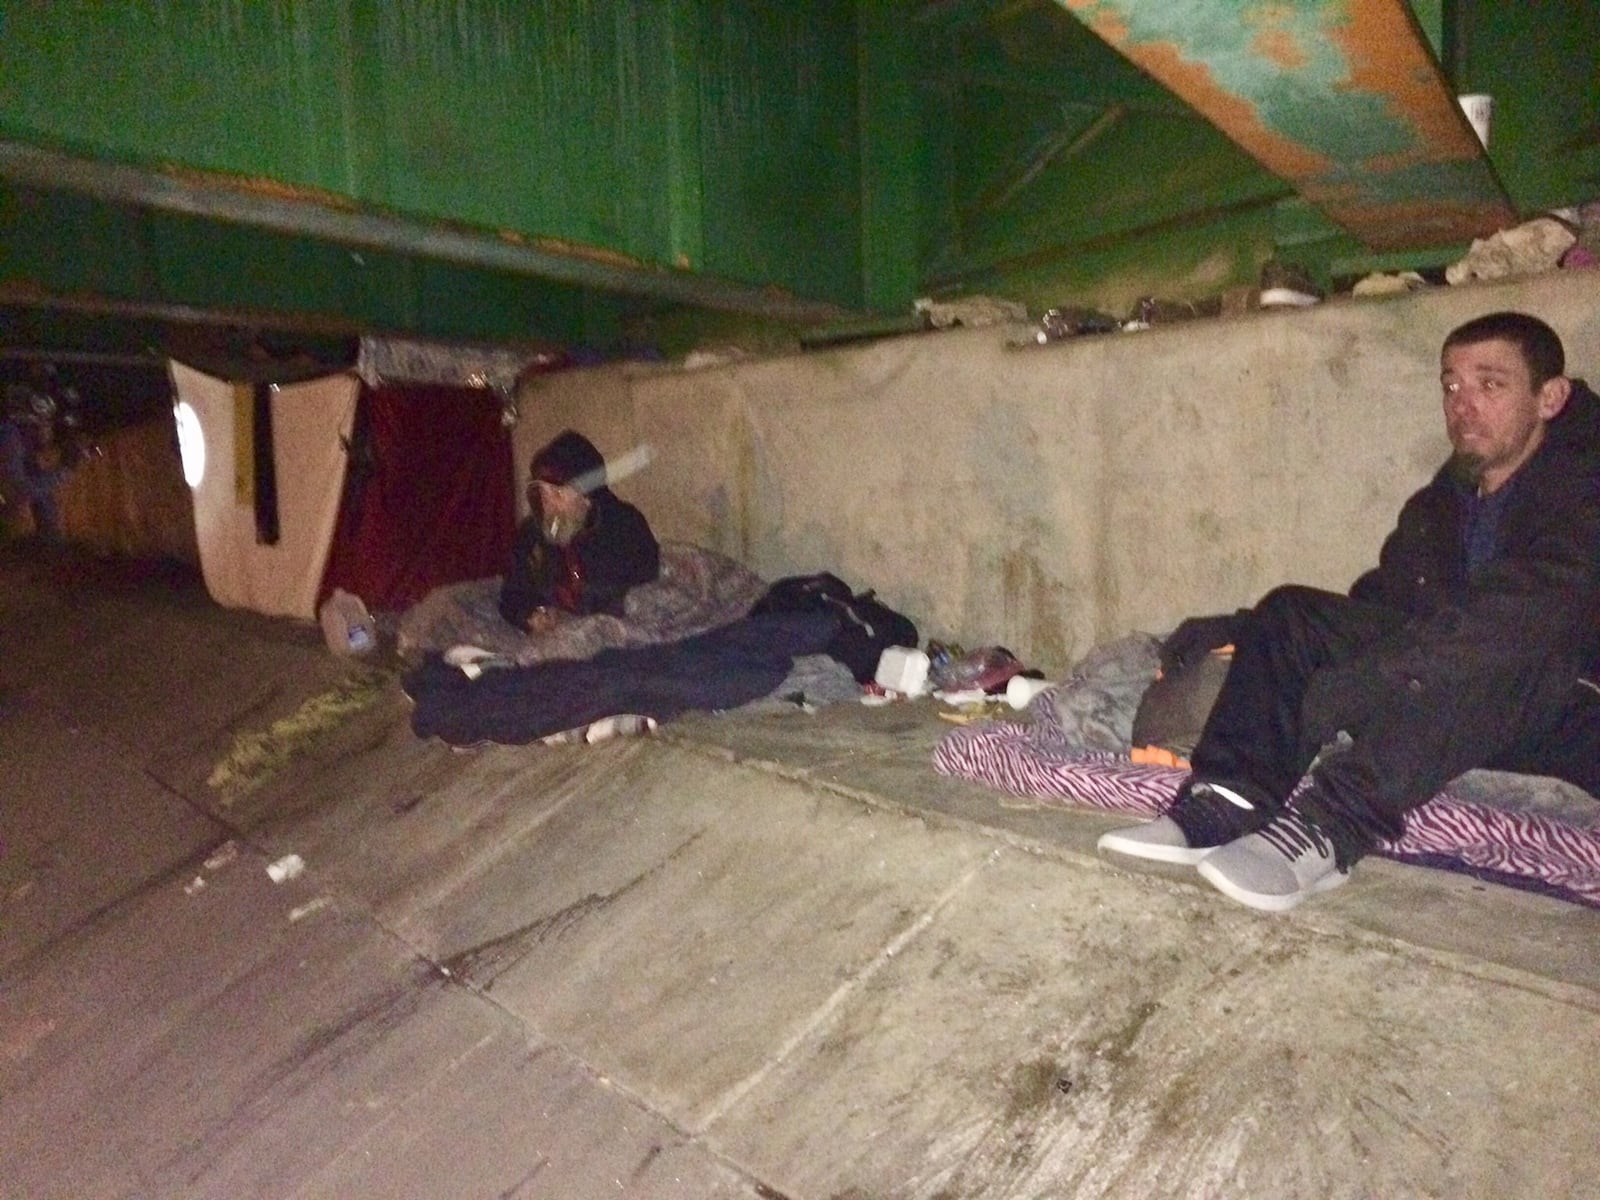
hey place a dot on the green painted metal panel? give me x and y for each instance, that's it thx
(82, 251)
(1146, 171)
(893, 162)
(1343, 98)
(778, 137)
(557, 168)
(1051, 150)
(570, 120)
(1195, 257)
(1541, 63)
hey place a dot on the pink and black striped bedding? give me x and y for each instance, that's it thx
(1036, 759)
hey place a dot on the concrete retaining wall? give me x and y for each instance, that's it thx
(1048, 498)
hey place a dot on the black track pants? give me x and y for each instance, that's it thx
(1313, 663)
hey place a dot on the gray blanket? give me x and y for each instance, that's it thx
(697, 590)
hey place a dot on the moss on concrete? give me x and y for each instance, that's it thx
(256, 757)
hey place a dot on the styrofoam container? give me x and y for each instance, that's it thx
(903, 669)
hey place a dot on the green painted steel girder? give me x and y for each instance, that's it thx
(338, 221)
(1342, 99)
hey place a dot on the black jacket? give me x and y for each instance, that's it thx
(1544, 580)
(613, 552)
(1541, 592)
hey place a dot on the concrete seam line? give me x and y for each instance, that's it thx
(436, 890)
(824, 1012)
(398, 1111)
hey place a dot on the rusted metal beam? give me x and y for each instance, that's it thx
(1342, 99)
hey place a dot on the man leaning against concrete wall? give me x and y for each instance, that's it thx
(1474, 642)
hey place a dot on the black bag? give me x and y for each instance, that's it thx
(867, 627)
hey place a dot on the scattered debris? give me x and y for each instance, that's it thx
(222, 856)
(1381, 284)
(1149, 311)
(302, 911)
(1527, 249)
(973, 312)
(256, 757)
(1058, 324)
(903, 669)
(714, 356)
(1585, 252)
(1286, 285)
(985, 669)
(621, 725)
(290, 866)
(474, 660)
(347, 626)
(1020, 690)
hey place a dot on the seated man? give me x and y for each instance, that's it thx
(1473, 643)
(581, 548)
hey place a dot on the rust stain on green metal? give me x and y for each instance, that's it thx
(1387, 59)
(1233, 114)
(1281, 47)
(1344, 100)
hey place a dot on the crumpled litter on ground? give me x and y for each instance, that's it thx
(973, 312)
(1380, 283)
(1526, 249)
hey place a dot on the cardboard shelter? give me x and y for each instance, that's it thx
(430, 501)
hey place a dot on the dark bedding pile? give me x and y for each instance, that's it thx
(727, 667)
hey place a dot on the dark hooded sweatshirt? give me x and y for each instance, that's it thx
(613, 552)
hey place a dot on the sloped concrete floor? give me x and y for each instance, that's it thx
(754, 956)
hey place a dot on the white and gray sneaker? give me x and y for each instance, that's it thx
(1163, 840)
(1276, 867)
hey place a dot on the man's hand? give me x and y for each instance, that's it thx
(543, 620)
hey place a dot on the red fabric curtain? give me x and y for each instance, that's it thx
(428, 497)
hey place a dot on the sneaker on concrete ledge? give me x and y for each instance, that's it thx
(1276, 867)
(1284, 285)
(1204, 805)
(1161, 840)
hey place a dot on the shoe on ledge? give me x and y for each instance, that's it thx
(1276, 867)
(1284, 285)
(1161, 840)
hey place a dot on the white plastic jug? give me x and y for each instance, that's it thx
(347, 626)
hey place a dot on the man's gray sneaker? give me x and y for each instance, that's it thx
(1161, 840)
(1276, 867)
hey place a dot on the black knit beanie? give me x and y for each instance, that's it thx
(568, 456)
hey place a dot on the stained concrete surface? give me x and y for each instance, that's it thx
(754, 956)
(1052, 498)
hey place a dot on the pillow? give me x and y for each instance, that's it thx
(1174, 708)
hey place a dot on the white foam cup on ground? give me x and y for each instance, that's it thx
(1020, 690)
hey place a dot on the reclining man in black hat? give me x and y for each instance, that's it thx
(1473, 643)
(581, 548)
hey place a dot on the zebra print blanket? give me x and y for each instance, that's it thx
(1540, 834)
